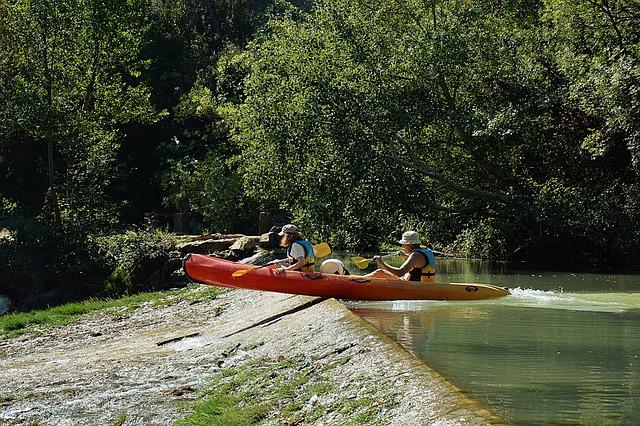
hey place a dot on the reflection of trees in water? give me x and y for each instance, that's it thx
(469, 313)
(415, 330)
(412, 329)
(540, 366)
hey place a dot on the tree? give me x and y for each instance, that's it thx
(336, 96)
(197, 69)
(439, 115)
(597, 46)
(72, 82)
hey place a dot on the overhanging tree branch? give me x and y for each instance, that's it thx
(425, 169)
(449, 96)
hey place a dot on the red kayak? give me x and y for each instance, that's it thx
(213, 271)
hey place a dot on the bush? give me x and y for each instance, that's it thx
(131, 258)
(39, 257)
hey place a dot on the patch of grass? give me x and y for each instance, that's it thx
(6, 398)
(225, 402)
(291, 408)
(17, 323)
(206, 294)
(316, 413)
(321, 388)
(259, 389)
(366, 417)
(282, 391)
(120, 420)
(220, 409)
(364, 408)
(191, 297)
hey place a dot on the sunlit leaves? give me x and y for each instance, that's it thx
(479, 92)
(597, 46)
(207, 188)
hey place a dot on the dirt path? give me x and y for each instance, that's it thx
(315, 361)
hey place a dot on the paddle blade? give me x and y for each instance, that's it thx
(321, 250)
(241, 272)
(360, 262)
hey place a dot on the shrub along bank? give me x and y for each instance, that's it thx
(45, 266)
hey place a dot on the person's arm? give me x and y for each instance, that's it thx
(402, 253)
(294, 267)
(297, 252)
(408, 265)
(299, 264)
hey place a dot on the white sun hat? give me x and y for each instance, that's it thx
(289, 229)
(410, 237)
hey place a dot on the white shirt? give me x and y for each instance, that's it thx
(297, 250)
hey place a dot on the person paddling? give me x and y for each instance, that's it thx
(419, 266)
(300, 255)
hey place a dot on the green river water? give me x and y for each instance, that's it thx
(562, 349)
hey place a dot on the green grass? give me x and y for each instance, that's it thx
(275, 390)
(222, 410)
(278, 391)
(18, 323)
(6, 398)
(231, 400)
(120, 420)
(366, 411)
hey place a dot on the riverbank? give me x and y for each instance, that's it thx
(280, 359)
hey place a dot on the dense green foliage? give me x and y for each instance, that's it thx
(471, 121)
(70, 78)
(65, 262)
(503, 130)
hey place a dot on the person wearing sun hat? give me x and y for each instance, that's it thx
(419, 266)
(300, 255)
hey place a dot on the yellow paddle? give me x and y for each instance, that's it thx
(319, 250)
(363, 263)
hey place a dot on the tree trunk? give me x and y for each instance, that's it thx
(55, 207)
(53, 196)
